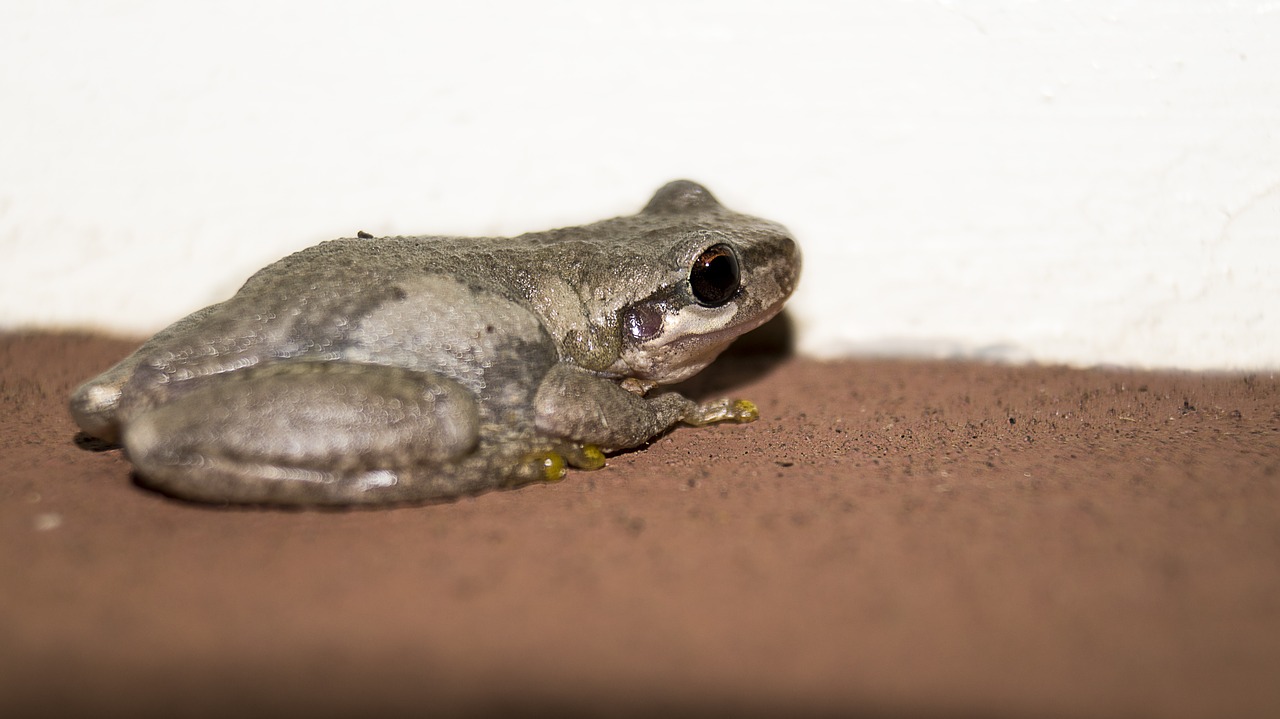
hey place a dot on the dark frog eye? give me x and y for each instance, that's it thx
(714, 276)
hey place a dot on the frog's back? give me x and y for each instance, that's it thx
(402, 302)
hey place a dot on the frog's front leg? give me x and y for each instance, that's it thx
(577, 405)
(310, 433)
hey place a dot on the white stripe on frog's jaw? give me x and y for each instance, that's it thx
(691, 339)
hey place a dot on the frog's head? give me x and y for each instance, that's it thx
(724, 274)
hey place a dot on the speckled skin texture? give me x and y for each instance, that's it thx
(368, 371)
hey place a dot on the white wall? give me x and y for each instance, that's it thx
(1090, 182)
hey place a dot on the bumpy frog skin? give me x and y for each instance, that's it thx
(404, 369)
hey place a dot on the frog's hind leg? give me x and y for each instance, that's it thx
(309, 433)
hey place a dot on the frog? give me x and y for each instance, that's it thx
(369, 371)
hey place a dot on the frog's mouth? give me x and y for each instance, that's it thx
(692, 339)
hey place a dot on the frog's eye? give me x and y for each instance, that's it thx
(714, 276)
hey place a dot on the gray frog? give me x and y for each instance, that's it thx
(401, 369)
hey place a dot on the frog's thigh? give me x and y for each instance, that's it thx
(578, 405)
(307, 433)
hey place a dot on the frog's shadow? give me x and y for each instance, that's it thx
(89, 443)
(749, 358)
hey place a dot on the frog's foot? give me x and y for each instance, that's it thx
(637, 386)
(584, 456)
(311, 433)
(722, 410)
(543, 465)
(549, 465)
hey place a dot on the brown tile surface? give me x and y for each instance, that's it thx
(892, 538)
